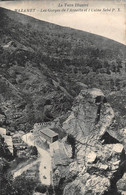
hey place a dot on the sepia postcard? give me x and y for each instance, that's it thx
(63, 97)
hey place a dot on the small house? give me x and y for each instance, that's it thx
(2, 131)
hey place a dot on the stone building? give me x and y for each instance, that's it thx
(49, 135)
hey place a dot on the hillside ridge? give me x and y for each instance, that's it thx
(24, 19)
(44, 61)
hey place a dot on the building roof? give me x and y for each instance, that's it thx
(48, 132)
(2, 130)
(8, 140)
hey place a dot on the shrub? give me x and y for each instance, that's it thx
(41, 188)
(34, 151)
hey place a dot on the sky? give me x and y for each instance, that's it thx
(105, 18)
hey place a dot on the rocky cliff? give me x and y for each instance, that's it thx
(99, 158)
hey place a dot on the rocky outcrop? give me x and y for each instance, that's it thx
(121, 185)
(90, 113)
(122, 137)
(99, 158)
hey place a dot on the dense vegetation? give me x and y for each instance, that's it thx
(44, 66)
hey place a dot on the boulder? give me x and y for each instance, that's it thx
(91, 157)
(121, 185)
(117, 148)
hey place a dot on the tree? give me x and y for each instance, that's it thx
(71, 141)
(34, 151)
(50, 190)
(24, 186)
(41, 189)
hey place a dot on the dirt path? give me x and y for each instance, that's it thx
(45, 159)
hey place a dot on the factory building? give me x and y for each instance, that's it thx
(49, 135)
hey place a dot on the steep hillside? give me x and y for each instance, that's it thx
(43, 66)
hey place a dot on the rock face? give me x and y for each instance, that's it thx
(90, 113)
(122, 134)
(98, 162)
(121, 185)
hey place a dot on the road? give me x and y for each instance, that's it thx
(45, 159)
